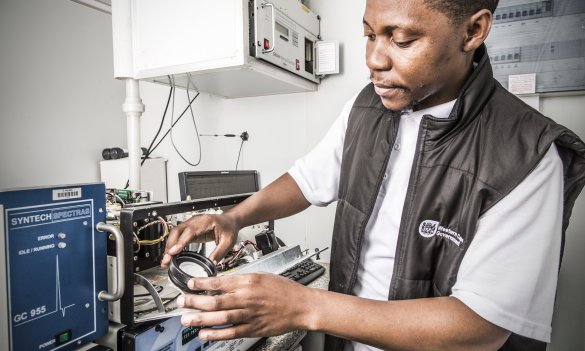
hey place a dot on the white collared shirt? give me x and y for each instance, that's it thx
(509, 273)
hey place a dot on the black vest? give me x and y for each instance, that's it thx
(463, 166)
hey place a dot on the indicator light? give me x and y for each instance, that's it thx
(63, 337)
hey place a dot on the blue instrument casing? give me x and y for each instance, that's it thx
(53, 267)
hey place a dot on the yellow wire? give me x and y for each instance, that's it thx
(155, 241)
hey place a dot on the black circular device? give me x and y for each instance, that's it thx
(187, 265)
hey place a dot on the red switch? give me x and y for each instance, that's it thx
(266, 44)
(298, 64)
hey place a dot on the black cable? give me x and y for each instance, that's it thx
(280, 242)
(173, 124)
(239, 152)
(149, 150)
(194, 123)
(168, 130)
(162, 121)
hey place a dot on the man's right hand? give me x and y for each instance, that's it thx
(222, 229)
(279, 199)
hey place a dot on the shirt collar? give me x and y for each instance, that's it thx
(439, 111)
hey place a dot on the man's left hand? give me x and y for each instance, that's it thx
(251, 305)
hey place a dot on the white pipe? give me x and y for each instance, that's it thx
(133, 107)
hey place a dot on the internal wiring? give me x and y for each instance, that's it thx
(120, 200)
(165, 301)
(166, 232)
(235, 256)
(194, 123)
(137, 242)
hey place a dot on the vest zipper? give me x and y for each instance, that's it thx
(400, 252)
(395, 120)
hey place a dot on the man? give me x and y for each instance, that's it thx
(453, 197)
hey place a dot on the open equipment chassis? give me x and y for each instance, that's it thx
(128, 221)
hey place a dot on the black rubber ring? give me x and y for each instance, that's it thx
(180, 278)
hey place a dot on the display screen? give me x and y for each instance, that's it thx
(200, 185)
(281, 29)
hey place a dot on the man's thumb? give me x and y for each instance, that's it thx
(220, 251)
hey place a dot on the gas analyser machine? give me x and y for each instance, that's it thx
(55, 286)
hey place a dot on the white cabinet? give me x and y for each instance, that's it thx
(205, 41)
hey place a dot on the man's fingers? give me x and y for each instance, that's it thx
(198, 229)
(184, 234)
(215, 284)
(174, 236)
(209, 303)
(171, 243)
(228, 333)
(186, 237)
(166, 261)
(223, 284)
(220, 250)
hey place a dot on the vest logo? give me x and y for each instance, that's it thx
(429, 228)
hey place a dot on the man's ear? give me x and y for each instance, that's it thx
(477, 28)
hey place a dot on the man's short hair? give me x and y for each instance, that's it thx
(458, 10)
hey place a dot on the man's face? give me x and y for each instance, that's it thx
(415, 55)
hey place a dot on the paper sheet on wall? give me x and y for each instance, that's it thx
(327, 57)
(522, 83)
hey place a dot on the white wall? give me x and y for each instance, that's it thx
(59, 107)
(569, 318)
(276, 125)
(59, 104)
